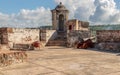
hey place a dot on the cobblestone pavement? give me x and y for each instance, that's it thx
(66, 61)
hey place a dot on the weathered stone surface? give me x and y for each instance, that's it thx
(108, 46)
(108, 40)
(108, 36)
(23, 46)
(46, 36)
(76, 36)
(56, 43)
(22, 38)
(3, 36)
(75, 24)
(12, 57)
(15, 36)
(59, 17)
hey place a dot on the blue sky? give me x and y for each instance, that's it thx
(14, 6)
(34, 13)
(118, 3)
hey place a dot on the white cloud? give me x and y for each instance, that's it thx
(27, 18)
(106, 12)
(80, 9)
(95, 11)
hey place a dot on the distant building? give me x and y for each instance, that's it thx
(77, 25)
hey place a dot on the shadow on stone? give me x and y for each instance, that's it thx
(106, 51)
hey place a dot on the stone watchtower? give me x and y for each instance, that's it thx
(59, 18)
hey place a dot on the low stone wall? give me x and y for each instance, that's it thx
(22, 36)
(108, 36)
(76, 35)
(108, 40)
(12, 36)
(12, 57)
(115, 47)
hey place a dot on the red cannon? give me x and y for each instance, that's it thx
(85, 44)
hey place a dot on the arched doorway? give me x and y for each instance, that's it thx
(70, 27)
(61, 23)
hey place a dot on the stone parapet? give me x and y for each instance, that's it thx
(115, 47)
(108, 36)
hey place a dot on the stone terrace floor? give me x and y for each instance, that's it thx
(66, 61)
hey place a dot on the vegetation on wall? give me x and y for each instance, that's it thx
(104, 27)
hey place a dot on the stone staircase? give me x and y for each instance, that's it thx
(60, 40)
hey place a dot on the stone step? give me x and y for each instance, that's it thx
(56, 43)
(61, 34)
(61, 38)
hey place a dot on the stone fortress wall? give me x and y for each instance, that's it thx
(108, 40)
(108, 36)
(22, 37)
